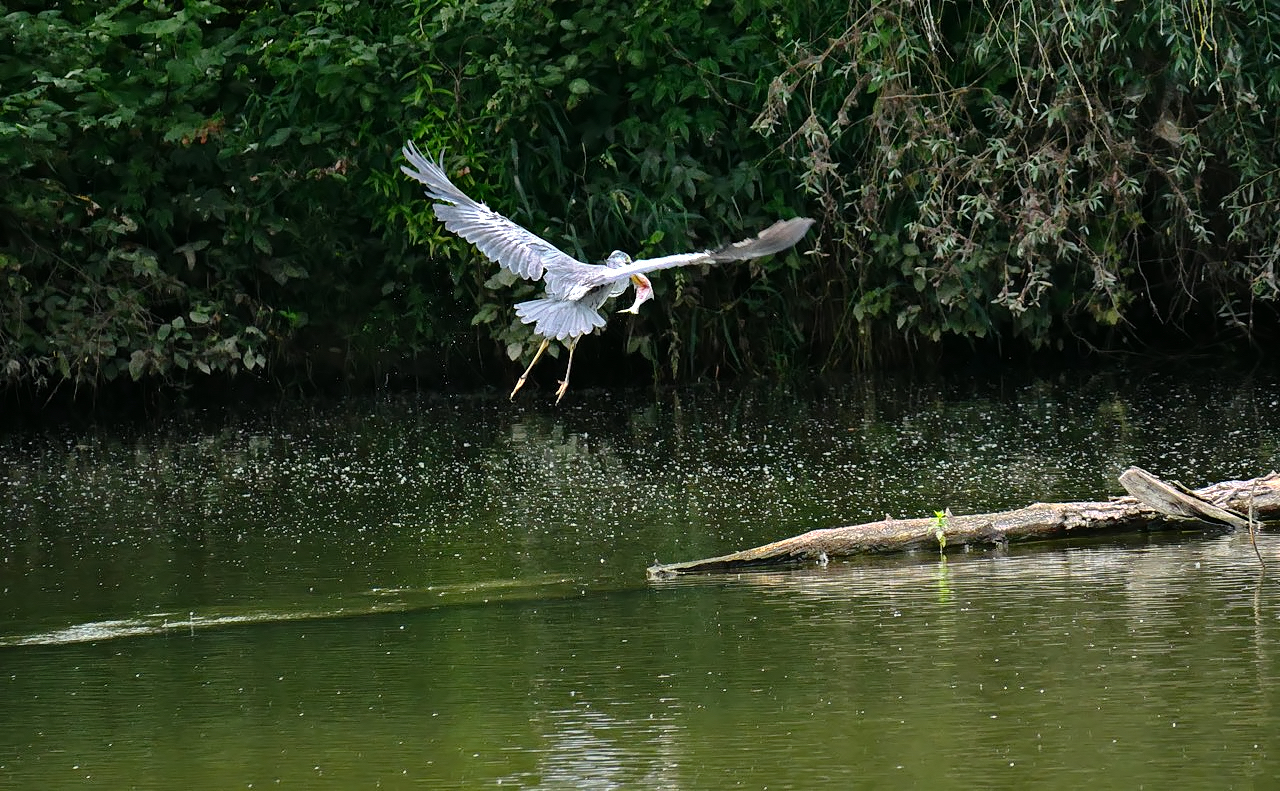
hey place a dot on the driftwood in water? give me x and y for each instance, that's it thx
(1151, 503)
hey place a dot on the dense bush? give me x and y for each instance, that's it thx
(1046, 170)
(189, 187)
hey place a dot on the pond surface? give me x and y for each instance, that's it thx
(450, 593)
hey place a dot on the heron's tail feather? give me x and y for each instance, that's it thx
(774, 239)
(559, 319)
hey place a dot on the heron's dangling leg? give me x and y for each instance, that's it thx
(525, 375)
(572, 344)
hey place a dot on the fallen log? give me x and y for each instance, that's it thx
(1151, 504)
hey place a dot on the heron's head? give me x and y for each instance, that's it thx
(616, 259)
(644, 293)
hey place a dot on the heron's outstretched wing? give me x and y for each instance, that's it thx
(501, 240)
(774, 239)
(573, 279)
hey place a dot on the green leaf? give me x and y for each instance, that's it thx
(261, 244)
(164, 27)
(278, 138)
(137, 361)
(501, 279)
(189, 251)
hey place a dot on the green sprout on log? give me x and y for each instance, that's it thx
(940, 520)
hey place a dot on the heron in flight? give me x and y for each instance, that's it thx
(575, 291)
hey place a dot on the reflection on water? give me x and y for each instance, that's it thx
(450, 593)
(377, 600)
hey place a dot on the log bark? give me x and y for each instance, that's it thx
(1152, 504)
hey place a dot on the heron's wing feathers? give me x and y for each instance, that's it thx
(774, 239)
(573, 281)
(559, 319)
(646, 265)
(498, 238)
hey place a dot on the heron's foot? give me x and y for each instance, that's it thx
(520, 382)
(564, 386)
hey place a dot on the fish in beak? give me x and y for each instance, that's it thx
(644, 293)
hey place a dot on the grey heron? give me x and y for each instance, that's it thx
(575, 292)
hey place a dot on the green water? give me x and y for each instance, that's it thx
(450, 593)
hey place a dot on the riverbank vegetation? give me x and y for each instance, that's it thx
(193, 190)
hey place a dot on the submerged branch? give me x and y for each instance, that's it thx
(1152, 503)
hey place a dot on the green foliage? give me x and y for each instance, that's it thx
(187, 188)
(194, 188)
(1040, 169)
(941, 520)
(981, 171)
(96, 239)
